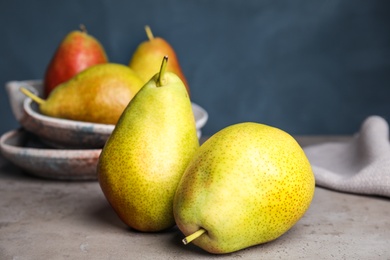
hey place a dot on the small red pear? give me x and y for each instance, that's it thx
(76, 52)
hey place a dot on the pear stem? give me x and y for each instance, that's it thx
(149, 32)
(34, 97)
(193, 236)
(160, 81)
(83, 28)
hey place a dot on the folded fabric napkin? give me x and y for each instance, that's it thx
(361, 166)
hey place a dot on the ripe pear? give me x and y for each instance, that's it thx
(76, 52)
(146, 59)
(145, 156)
(98, 94)
(246, 185)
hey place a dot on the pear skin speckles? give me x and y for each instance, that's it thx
(144, 158)
(246, 185)
(98, 94)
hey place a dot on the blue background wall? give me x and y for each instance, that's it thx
(308, 67)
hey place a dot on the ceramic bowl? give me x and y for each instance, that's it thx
(27, 152)
(63, 133)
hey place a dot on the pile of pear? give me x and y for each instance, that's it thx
(81, 84)
(246, 185)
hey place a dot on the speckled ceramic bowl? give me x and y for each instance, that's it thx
(27, 152)
(63, 133)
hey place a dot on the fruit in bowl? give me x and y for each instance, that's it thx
(99, 94)
(65, 133)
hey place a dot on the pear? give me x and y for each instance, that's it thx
(98, 94)
(146, 59)
(76, 52)
(145, 156)
(247, 184)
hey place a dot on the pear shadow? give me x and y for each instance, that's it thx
(258, 251)
(177, 244)
(191, 250)
(105, 215)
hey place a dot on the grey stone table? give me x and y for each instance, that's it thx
(47, 219)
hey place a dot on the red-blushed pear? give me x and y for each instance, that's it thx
(147, 57)
(76, 52)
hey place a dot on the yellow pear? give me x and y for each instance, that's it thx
(146, 59)
(145, 156)
(246, 185)
(98, 94)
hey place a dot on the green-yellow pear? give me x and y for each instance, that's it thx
(246, 185)
(98, 94)
(145, 156)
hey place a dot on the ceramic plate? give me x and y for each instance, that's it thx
(27, 152)
(63, 133)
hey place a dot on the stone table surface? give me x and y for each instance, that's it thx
(50, 219)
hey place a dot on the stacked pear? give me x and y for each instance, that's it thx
(146, 59)
(144, 158)
(246, 185)
(76, 52)
(98, 94)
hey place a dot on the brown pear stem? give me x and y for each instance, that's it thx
(149, 32)
(34, 97)
(83, 28)
(160, 81)
(193, 236)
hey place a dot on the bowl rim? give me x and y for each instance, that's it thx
(55, 153)
(49, 163)
(103, 128)
(61, 122)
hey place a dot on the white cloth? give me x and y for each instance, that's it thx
(361, 166)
